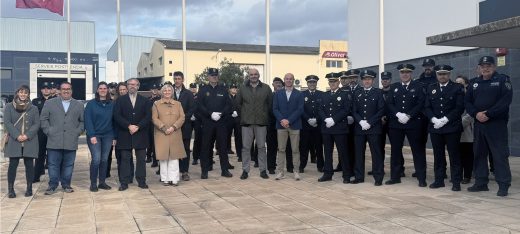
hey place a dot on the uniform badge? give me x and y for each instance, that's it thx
(508, 85)
(475, 85)
(412, 90)
(220, 95)
(434, 91)
(494, 84)
(207, 94)
(339, 98)
(306, 99)
(396, 90)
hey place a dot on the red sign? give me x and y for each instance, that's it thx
(334, 54)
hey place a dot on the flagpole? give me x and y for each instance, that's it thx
(267, 44)
(68, 41)
(381, 40)
(184, 53)
(119, 57)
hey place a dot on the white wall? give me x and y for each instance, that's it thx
(407, 24)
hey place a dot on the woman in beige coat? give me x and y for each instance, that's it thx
(168, 117)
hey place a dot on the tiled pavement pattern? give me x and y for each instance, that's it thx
(222, 205)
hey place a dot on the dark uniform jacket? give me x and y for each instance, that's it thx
(369, 106)
(125, 115)
(449, 102)
(337, 106)
(188, 105)
(235, 107)
(427, 81)
(213, 99)
(493, 96)
(409, 101)
(311, 108)
(39, 102)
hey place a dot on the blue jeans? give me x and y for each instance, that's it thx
(99, 153)
(61, 165)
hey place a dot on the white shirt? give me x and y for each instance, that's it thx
(288, 93)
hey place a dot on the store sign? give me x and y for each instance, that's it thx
(334, 54)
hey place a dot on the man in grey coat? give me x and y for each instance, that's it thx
(62, 122)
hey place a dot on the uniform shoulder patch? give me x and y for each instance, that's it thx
(508, 85)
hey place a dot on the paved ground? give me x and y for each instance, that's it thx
(222, 205)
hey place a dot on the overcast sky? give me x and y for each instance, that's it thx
(293, 22)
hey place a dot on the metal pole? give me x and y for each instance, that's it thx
(184, 52)
(381, 41)
(68, 41)
(267, 44)
(120, 75)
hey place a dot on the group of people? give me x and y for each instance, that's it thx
(276, 128)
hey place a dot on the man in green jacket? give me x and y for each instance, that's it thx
(254, 99)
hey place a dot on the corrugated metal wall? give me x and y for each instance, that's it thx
(46, 35)
(132, 47)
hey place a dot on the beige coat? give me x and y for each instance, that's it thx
(167, 113)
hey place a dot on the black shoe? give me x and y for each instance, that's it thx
(158, 172)
(403, 175)
(68, 189)
(338, 169)
(357, 181)
(414, 174)
(231, 167)
(264, 175)
(256, 165)
(11, 193)
(148, 159)
(370, 173)
(104, 186)
(301, 171)
(230, 152)
(195, 162)
(239, 160)
(435, 185)
(392, 181)
(324, 178)
(226, 174)
(143, 186)
(478, 188)
(346, 181)
(123, 187)
(502, 192)
(155, 164)
(455, 187)
(93, 188)
(466, 181)
(204, 175)
(244, 175)
(422, 183)
(36, 180)
(290, 170)
(271, 171)
(378, 183)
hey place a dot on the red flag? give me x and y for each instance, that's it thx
(55, 6)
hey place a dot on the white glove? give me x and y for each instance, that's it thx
(441, 122)
(436, 122)
(403, 118)
(406, 118)
(193, 118)
(235, 114)
(329, 122)
(364, 125)
(350, 119)
(312, 122)
(215, 116)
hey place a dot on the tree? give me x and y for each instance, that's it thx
(229, 73)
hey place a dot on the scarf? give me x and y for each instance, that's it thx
(19, 105)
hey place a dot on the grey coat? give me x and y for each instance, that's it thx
(31, 124)
(62, 129)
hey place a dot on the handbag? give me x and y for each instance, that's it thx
(5, 136)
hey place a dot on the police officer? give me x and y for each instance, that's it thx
(150, 152)
(368, 109)
(310, 135)
(214, 107)
(334, 109)
(487, 100)
(54, 89)
(196, 123)
(444, 106)
(39, 167)
(234, 127)
(349, 82)
(405, 103)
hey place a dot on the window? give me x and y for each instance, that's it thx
(170, 62)
(160, 61)
(6, 73)
(334, 63)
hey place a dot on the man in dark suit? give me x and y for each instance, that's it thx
(405, 104)
(367, 110)
(444, 106)
(214, 107)
(349, 84)
(185, 97)
(133, 117)
(150, 152)
(234, 122)
(288, 109)
(196, 123)
(39, 167)
(310, 141)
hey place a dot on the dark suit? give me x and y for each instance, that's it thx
(369, 106)
(188, 105)
(234, 127)
(39, 167)
(351, 133)
(310, 137)
(410, 101)
(124, 115)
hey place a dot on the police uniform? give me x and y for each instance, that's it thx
(150, 151)
(336, 105)
(196, 123)
(492, 96)
(385, 92)
(350, 139)
(368, 109)
(234, 125)
(212, 101)
(39, 167)
(443, 107)
(310, 135)
(406, 101)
